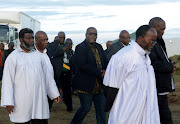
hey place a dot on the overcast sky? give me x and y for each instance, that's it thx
(109, 17)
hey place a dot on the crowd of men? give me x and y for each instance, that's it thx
(129, 79)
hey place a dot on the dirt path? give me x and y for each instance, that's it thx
(59, 115)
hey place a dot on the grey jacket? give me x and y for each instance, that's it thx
(114, 48)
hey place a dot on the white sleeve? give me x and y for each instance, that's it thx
(7, 90)
(116, 72)
(52, 89)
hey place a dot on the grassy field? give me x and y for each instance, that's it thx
(176, 78)
(59, 115)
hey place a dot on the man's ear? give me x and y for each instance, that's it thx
(20, 39)
(139, 38)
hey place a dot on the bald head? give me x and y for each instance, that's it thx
(41, 40)
(159, 25)
(155, 21)
(61, 36)
(124, 37)
(108, 43)
(39, 34)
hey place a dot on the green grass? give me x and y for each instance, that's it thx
(176, 78)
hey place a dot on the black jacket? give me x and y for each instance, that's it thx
(162, 67)
(55, 53)
(86, 70)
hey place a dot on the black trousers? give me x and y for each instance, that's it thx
(50, 103)
(65, 80)
(164, 111)
(35, 121)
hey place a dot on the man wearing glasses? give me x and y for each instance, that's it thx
(130, 87)
(90, 65)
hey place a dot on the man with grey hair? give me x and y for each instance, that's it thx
(163, 68)
(124, 38)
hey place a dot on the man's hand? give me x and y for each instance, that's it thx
(60, 91)
(57, 100)
(103, 73)
(174, 65)
(10, 108)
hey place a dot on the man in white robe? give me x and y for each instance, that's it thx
(41, 40)
(131, 76)
(27, 82)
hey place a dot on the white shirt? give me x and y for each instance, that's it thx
(25, 85)
(129, 70)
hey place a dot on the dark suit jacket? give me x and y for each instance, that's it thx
(114, 48)
(163, 69)
(5, 55)
(55, 53)
(86, 70)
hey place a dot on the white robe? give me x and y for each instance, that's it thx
(129, 70)
(25, 85)
(47, 60)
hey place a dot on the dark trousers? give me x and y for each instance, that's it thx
(86, 103)
(50, 103)
(1, 73)
(164, 111)
(65, 80)
(35, 121)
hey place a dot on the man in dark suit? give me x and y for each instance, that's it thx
(124, 38)
(7, 52)
(90, 65)
(66, 75)
(108, 43)
(55, 51)
(163, 68)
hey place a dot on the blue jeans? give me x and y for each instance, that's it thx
(86, 103)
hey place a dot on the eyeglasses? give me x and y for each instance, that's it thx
(70, 44)
(126, 38)
(153, 42)
(62, 37)
(91, 34)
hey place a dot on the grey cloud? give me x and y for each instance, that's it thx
(108, 16)
(63, 3)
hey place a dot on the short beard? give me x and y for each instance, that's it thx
(148, 52)
(26, 46)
